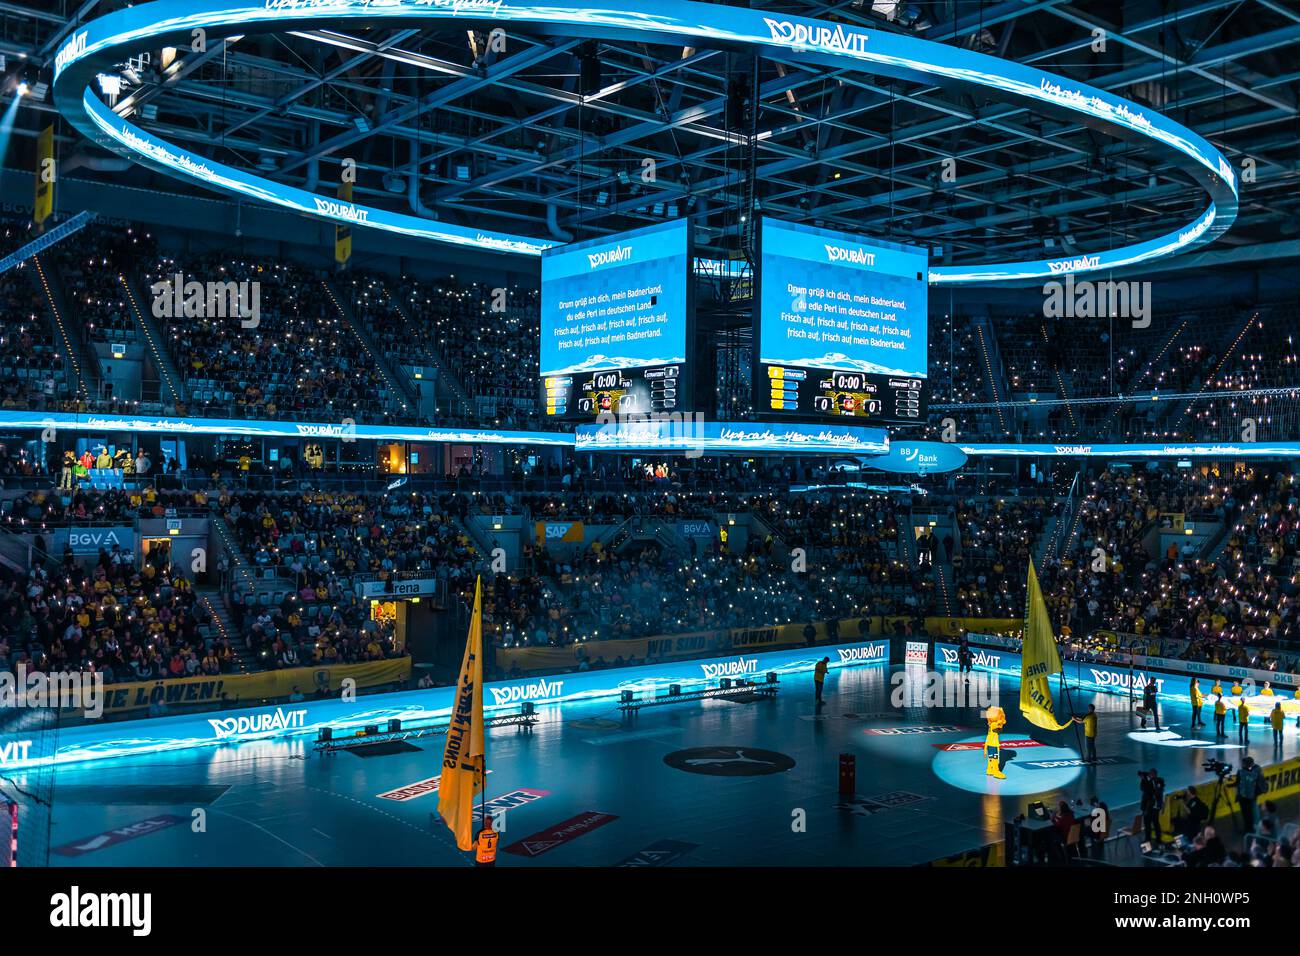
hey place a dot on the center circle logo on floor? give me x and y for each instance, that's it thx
(730, 761)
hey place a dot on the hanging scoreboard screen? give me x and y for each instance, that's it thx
(840, 326)
(615, 324)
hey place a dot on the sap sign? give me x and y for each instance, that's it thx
(919, 458)
(92, 540)
(554, 532)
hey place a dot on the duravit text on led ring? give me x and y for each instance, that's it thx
(97, 45)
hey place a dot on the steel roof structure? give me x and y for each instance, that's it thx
(568, 138)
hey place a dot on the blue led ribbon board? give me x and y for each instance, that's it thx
(95, 46)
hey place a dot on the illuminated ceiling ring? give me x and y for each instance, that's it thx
(100, 44)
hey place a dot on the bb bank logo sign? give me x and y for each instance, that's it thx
(281, 719)
(535, 691)
(919, 458)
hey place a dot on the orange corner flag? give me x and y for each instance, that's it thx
(464, 762)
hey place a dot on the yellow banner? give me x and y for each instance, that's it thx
(1039, 660)
(250, 689)
(44, 204)
(464, 761)
(343, 234)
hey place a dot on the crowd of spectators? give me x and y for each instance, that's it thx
(112, 618)
(295, 357)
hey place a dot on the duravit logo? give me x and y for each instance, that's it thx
(858, 255)
(822, 35)
(281, 719)
(1116, 679)
(70, 51)
(538, 690)
(871, 652)
(1075, 264)
(607, 256)
(341, 210)
(736, 668)
(977, 658)
(14, 751)
(322, 431)
(1073, 449)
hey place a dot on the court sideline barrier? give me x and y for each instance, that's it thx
(736, 639)
(102, 741)
(1111, 678)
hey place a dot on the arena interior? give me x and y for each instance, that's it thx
(776, 397)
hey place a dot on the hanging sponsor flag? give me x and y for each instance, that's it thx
(464, 762)
(1039, 659)
(44, 204)
(343, 232)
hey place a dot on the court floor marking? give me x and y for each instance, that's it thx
(381, 812)
(273, 836)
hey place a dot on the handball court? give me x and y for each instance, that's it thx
(715, 783)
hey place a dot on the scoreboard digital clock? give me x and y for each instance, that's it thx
(878, 398)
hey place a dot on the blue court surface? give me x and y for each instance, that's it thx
(714, 783)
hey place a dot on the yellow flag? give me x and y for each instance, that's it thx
(1039, 659)
(464, 761)
(342, 233)
(44, 204)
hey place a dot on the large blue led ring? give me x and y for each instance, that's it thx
(110, 39)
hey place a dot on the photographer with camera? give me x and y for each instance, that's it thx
(1153, 801)
(1251, 785)
(1194, 816)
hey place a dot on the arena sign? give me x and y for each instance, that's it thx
(108, 740)
(99, 44)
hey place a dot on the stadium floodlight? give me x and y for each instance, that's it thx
(21, 89)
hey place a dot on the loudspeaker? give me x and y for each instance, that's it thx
(394, 725)
(371, 729)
